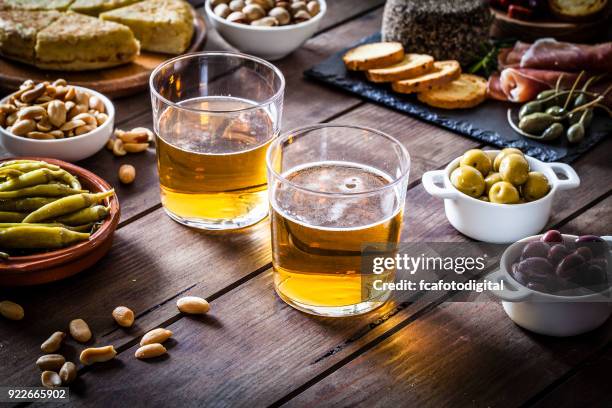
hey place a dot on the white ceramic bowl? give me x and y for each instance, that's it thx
(69, 149)
(498, 223)
(544, 313)
(270, 43)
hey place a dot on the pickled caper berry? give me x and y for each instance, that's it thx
(553, 132)
(575, 133)
(529, 108)
(536, 123)
(556, 111)
(546, 94)
(581, 100)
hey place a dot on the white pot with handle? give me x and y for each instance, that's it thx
(498, 223)
(546, 313)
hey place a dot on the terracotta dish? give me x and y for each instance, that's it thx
(59, 264)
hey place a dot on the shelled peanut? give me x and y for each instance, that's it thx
(130, 141)
(51, 111)
(267, 13)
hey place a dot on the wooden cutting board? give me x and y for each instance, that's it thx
(113, 82)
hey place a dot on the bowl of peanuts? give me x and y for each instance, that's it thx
(55, 119)
(270, 29)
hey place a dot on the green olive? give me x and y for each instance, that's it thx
(535, 187)
(556, 111)
(535, 123)
(491, 179)
(505, 152)
(503, 193)
(529, 108)
(478, 159)
(514, 169)
(553, 132)
(575, 133)
(468, 180)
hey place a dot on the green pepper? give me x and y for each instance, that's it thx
(67, 205)
(42, 190)
(25, 204)
(38, 237)
(12, 216)
(40, 176)
(85, 216)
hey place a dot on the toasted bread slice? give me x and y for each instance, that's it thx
(411, 66)
(441, 73)
(374, 55)
(466, 91)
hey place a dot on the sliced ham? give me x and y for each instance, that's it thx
(549, 54)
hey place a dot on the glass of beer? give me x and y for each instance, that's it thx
(214, 115)
(333, 189)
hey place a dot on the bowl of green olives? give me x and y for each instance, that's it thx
(499, 196)
(556, 284)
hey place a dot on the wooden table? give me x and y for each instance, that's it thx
(253, 349)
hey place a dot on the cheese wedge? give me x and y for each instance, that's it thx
(411, 66)
(441, 73)
(160, 25)
(95, 7)
(59, 5)
(18, 31)
(465, 92)
(373, 55)
(79, 42)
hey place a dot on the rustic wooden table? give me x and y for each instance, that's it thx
(253, 349)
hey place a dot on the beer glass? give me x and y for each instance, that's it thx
(214, 115)
(332, 189)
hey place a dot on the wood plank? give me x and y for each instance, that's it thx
(305, 103)
(462, 354)
(589, 387)
(305, 347)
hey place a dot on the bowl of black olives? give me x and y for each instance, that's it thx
(557, 284)
(499, 196)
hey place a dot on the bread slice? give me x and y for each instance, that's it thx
(160, 25)
(572, 9)
(373, 55)
(441, 73)
(76, 42)
(95, 7)
(466, 91)
(411, 66)
(18, 31)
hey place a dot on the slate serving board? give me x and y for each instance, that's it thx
(486, 123)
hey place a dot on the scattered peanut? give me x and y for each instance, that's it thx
(50, 362)
(158, 335)
(79, 330)
(53, 343)
(135, 147)
(11, 310)
(118, 149)
(127, 173)
(97, 355)
(47, 108)
(68, 372)
(150, 351)
(193, 305)
(124, 316)
(50, 379)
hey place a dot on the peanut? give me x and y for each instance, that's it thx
(44, 125)
(79, 330)
(158, 335)
(77, 110)
(150, 351)
(101, 118)
(222, 10)
(135, 147)
(97, 355)
(50, 362)
(11, 310)
(81, 130)
(21, 127)
(193, 305)
(53, 343)
(73, 124)
(33, 94)
(56, 110)
(11, 119)
(70, 94)
(40, 135)
(86, 117)
(313, 8)
(68, 372)
(50, 379)
(110, 143)
(237, 17)
(127, 174)
(124, 316)
(136, 135)
(59, 82)
(118, 149)
(32, 112)
(82, 98)
(97, 104)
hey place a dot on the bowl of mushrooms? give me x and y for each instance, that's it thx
(56, 120)
(269, 29)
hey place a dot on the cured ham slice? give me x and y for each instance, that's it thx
(549, 54)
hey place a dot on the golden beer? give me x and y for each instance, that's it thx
(212, 165)
(317, 239)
